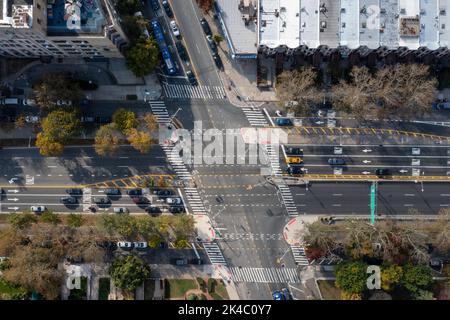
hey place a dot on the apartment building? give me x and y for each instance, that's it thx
(60, 29)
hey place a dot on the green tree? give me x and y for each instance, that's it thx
(107, 140)
(423, 295)
(129, 272)
(60, 125)
(351, 277)
(217, 38)
(124, 120)
(143, 57)
(54, 87)
(151, 122)
(75, 220)
(416, 277)
(50, 217)
(20, 221)
(140, 140)
(133, 27)
(128, 7)
(391, 276)
(48, 146)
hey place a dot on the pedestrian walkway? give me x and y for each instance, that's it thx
(274, 159)
(255, 116)
(214, 253)
(288, 200)
(183, 91)
(194, 200)
(265, 275)
(159, 109)
(299, 256)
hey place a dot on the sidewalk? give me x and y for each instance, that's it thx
(205, 231)
(239, 76)
(294, 230)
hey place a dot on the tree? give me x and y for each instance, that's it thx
(133, 27)
(217, 38)
(54, 87)
(47, 146)
(75, 220)
(298, 89)
(124, 120)
(205, 5)
(107, 140)
(151, 122)
(60, 125)
(143, 57)
(129, 272)
(128, 7)
(21, 221)
(423, 295)
(416, 278)
(391, 276)
(50, 217)
(140, 140)
(20, 122)
(351, 277)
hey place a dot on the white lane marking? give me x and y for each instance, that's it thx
(409, 195)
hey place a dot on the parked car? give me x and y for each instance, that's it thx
(134, 192)
(86, 119)
(74, 191)
(10, 101)
(29, 102)
(167, 8)
(112, 192)
(103, 120)
(278, 295)
(181, 51)
(164, 192)
(155, 5)
(125, 245)
(32, 119)
(179, 261)
(174, 201)
(140, 200)
(205, 27)
(383, 172)
(176, 209)
(336, 162)
(296, 160)
(37, 209)
(120, 210)
(68, 200)
(218, 61)
(211, 43)
(287, 294)
(64, 103)
(191, 77)
(140, 245)
(174, 27)
(283, 122)
(294, 151)
(295, 170)
(101, 200)
(154, 211)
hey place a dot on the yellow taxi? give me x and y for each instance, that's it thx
(293, 160)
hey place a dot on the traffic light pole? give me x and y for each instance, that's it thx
(373, 204)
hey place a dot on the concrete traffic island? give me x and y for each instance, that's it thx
(205, 231)
(294, 230)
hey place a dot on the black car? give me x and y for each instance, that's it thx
(336, 162)
(134, 192)
(112, 191)
(167, 8)
(191, 77)
(176, 209)
(383, 172)
(212, 44)
(164, 193)
(181, 51)
(102, 120)
(68, 200)
(141, 200)
(154, 4)
(294, 151)
(101, 200)
(218, 61)
(295, 170)
(154, 211)
(205, 26)
(74, 191)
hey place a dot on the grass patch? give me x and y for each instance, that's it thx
(8, 291)
(215, 296)
(328, 290)
(176, 288)
(221, 290)
(104, 287)
(149, 289)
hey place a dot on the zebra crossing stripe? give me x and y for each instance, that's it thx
(265, 275)
(179, 91)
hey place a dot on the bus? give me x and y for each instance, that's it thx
(167, 57)
(168, 61)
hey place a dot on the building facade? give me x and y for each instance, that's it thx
(60, 29)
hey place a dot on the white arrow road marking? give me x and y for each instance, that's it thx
(367, 161)
(366, 172)
(403, 171)
(13, 208)
(15, 190)
(367, 150)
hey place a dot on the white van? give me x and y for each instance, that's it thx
(13, 101)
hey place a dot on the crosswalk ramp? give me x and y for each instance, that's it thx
(194, 201)
(255, 116)
(265, 275)
(288, 200)
(299, 255)
(183, 91)
(274, 159)
(160, 111)
(214, 253)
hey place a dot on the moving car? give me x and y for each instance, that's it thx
(141, 200)
(75, 191)
(87, 119)
(283, 122)
(69, 200)
(164, 193)
(296, 160)
(383, 172)
(155, 5)
(101, 200)
(174, 27)
(154, 211)
(191, 77)
(102, 120)
(120, 210)
(287, 294)
(134, 192)
(212, 44)
(181, 51)
(278, 295)
(124, 245)
(176, 209)
(167, 8)
(295, 170)
(63, 103)
(336, 162)
(205, 27)
(218, 61)
(174, 201)
(140, 245)
(179, 261)
(294, 151)
(32, 119)
(112, 192)
(37, 209)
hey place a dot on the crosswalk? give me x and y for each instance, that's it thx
(288, 200)
(87, 197)
(214, 253)
(299, 255)
(194, 200)
(183, 91)
(274, 159)
(159, 110)
(255, 116)
(265, 275)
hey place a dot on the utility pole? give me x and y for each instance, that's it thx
(373, 196)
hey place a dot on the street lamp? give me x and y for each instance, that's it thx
(147, 93)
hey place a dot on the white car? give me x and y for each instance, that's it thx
(32, 119)
(29, 102)
(140, 245)
(124, 245)
(120, 210)
(62, 103)
(175, 30)
(174, 201)
(37, 209)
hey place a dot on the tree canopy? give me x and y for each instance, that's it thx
(124, 120)
(107, 140)
(351, 277)
(129, 272)
(143, 57)
(54, 87)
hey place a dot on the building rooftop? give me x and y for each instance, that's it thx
(349, 24)
(329, 23)
(239, 23)
(18, 13)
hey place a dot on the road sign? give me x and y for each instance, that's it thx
(373, 192)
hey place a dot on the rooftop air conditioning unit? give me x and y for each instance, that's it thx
(442, 12)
